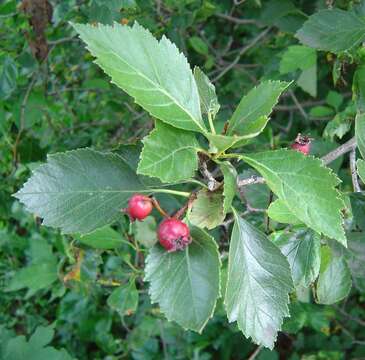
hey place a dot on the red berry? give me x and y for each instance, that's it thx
(302, 144)
(173, 234)
(139, 207)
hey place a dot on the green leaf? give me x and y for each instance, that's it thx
(334, 99)
(229, 186)
(131, 154)
(8, 77)
(208, 99)
(358, 90)
(356, 258)
(257, 195)
(306, 187)
(186, 283)
(297, 57)
(305, 59)
(18, 348)
(275, 9)
(145, 231)
(258, 284)
(332, 30)
(220, 143)
(207, 210)
(358, 210)
(278, 211)
(361, 169)
(153, 72)
(252, 113)
(326, 256)
(339, 126)
(307, 81)
(334, 283)
(169, 154)
(297, 320)
(302, 249)
(80, 191)
(103, 238)
(321, 111)
(35, 277)
(199, 45)
(360, 133)
(124, 299)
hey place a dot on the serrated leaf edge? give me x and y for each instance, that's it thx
(338, 197)
(286, 315)
(162, 178)
(319, 48)
(169, 318)
(163, 38)
(283, 84)
(50, 157)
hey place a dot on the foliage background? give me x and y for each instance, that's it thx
(52, 98)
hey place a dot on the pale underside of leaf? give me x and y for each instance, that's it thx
(208, 98)
(252, 113)
(186, 284)
(258, 284)
(153, 72)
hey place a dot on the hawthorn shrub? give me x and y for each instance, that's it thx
(186, 192)
(83, 190)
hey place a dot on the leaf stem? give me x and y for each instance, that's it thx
(211, 125)
(172, 192)
(230, 156)
(157, 206)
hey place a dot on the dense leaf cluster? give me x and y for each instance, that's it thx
(275, 233)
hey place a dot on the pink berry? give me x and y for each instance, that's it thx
(302, 144)
(139, 207)
(173, 234)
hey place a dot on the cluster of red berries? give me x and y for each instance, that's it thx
(172, 233)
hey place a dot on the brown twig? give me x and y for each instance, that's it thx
(343, 149)
(241, 52)
(298, 105)
(187, 205)
(255, 353)
(350, 317)
(212, 184)
(254, 179)
(157, 206)
(236, 20)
